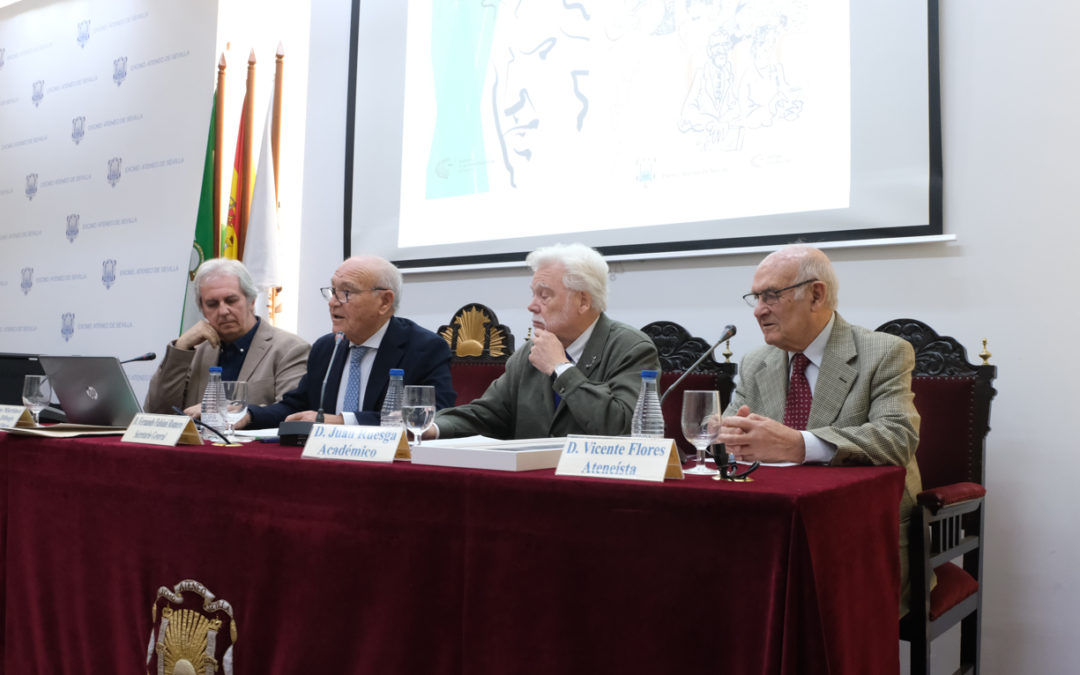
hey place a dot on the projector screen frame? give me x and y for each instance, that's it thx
(933, 229)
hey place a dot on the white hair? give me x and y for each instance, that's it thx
(216, 268)
(813, 264)
(384, 274)
(585, 269)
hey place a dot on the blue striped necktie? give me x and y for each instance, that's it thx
(352, 390)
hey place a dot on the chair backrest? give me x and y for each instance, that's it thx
(678, 351)
(471, 380)
(953, 398)
(479, 347)
(476, 336)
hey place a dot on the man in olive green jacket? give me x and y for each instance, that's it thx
(581, 372)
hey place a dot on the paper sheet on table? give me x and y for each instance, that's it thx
(66, 431)
(256, 433)
(460, 442)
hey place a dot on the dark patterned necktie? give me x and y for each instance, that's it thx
(558, 399)
(799, 396)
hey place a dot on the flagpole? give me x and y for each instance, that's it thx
(275, 137)
(249, 130)
(219, 142)
(275, 142)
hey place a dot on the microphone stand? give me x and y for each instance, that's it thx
(729, 332)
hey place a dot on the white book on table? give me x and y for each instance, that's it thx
(479, 452)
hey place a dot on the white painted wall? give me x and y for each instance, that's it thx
(1011, 185)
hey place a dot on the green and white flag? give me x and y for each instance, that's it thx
(202, 248)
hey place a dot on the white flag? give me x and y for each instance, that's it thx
(260, 245)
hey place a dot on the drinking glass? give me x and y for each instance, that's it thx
(36, 394)
(701, 425)
(418, 409)
(236, 405)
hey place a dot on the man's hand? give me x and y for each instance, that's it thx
(753, 438)
(198, 334)
(309, 416)
(244, 421)
(429, 434)
(194, 412)
(547, 351)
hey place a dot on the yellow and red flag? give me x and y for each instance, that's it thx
(230, 242)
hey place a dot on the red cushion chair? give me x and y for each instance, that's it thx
(953, 398)
(479, 346)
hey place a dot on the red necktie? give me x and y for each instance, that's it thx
(799, 396)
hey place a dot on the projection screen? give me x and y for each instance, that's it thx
(481, 129)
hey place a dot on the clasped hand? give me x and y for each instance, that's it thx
(753, 438)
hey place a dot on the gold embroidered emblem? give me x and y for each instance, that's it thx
(188, 639)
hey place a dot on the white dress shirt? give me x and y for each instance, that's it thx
(372, 343)
(817, 450)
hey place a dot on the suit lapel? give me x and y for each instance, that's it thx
(591, 364)
(333, 383)
(836, 376)
(774, 383)
(260, 347)
(388, 354)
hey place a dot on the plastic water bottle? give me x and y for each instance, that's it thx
(648, 419)
(213, 401)
(395, 393)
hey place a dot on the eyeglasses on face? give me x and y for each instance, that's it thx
(771, 297)
(342, 295)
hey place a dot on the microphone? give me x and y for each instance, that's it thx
(148, 356)
(322, 394)
(296, 433)
(729, 332)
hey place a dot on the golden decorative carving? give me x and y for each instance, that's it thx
(727, 351)
(471, 334)
(985, 355)
(475, 332)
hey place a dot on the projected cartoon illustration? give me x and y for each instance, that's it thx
(556, 114)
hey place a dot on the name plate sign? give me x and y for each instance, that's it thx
(167, 430)
(15, 416)
(357, 444)
(646, 459)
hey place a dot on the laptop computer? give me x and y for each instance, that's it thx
(92, 389)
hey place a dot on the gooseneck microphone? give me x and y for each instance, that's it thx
(148, 356)
(322, 395)
(729, 332)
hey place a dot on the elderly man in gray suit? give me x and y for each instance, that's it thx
(823, 390)
(581, 372)
(269, 359)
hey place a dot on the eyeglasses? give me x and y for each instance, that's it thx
(771, 297)
(343, 296)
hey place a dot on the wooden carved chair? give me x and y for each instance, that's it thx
(479, 346)
(953, 398)
(678, 351)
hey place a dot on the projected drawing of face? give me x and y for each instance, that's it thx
(539, 100)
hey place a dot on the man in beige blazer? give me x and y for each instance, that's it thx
(852, 405)
(269, 359)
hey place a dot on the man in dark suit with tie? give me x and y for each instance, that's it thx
(822, 390)
(363, 296)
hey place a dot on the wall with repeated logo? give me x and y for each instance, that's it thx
(104, 114)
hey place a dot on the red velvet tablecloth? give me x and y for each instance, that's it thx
(342, 567)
